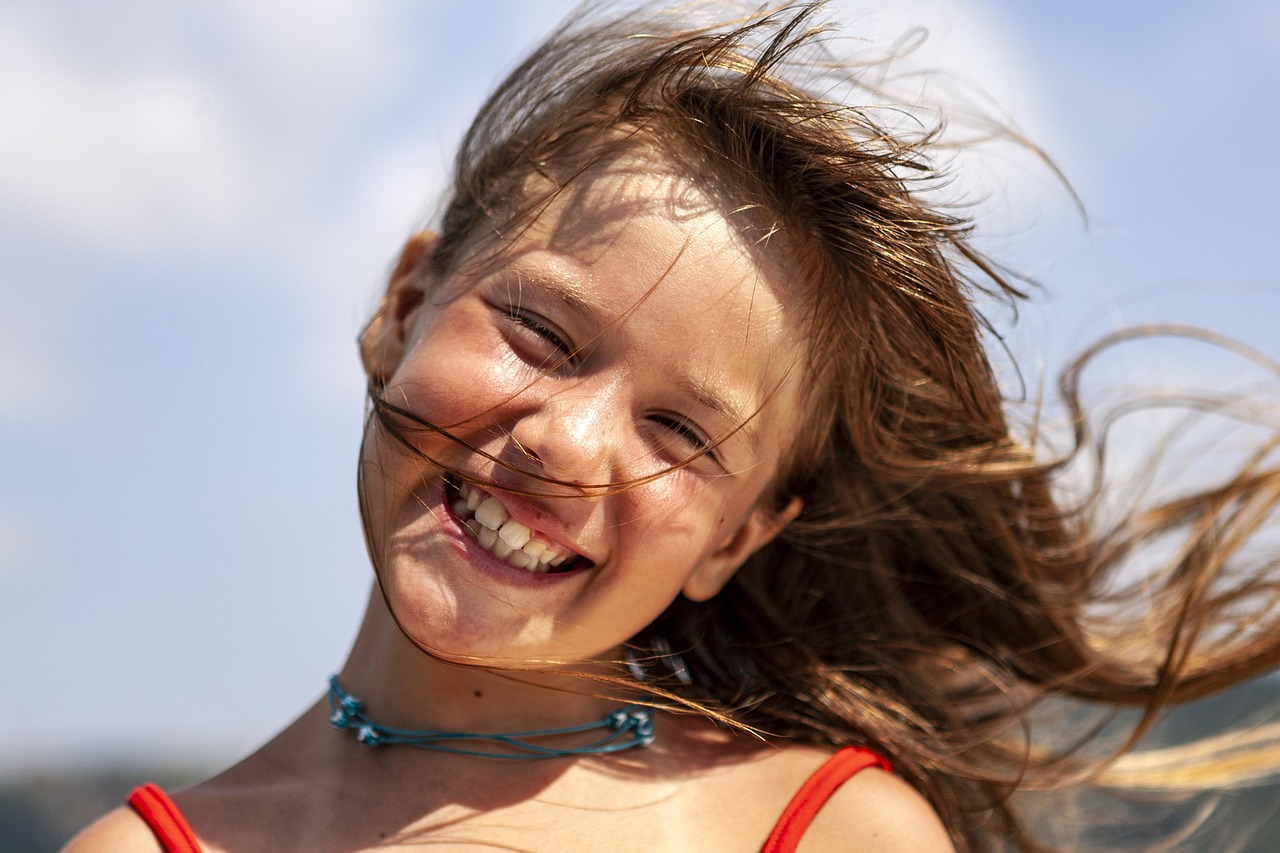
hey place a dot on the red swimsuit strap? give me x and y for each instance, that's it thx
(168, 824)
(815, 791)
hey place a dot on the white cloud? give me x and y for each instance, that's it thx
(323, 53)
(120, 163)
(149, 148)
(137, 143)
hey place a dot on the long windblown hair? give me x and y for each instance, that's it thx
(933, 593)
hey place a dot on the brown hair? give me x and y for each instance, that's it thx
(933, 593)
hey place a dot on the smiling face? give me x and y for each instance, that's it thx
(624, 330)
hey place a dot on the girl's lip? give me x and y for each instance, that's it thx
(491, 564)
(532, 515)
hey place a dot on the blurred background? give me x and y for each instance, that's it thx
(199, 203)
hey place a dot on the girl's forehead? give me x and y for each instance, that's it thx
(642, 192)
(611, 192)
(672, 234)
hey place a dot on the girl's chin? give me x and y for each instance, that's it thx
(486, 631)
(459, 619)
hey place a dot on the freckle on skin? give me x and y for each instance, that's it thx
(478, 694)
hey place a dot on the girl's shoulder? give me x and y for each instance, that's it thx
(120, 831)
(867, 808)
(155, 821)
(221, 801)
(882, 812)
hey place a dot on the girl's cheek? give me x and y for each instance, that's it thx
(460, 379)
(670, 503)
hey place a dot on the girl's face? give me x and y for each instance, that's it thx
(624, 329)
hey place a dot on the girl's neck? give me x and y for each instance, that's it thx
(401, 685)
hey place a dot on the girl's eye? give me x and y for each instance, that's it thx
(683, 430)
(539, 329)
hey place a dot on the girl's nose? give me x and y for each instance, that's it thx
(570, 436)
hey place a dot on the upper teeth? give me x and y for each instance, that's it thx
(487, 520)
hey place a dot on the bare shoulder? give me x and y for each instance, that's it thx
(873, 811)
(119, 831)
(876, 811)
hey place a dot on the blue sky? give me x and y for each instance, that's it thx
(198, 203)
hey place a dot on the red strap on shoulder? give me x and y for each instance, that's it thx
(168, 824)
(815, 791)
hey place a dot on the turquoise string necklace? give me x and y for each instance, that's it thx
(624, 728)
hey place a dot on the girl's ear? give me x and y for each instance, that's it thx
(759, 527)
(383, 340)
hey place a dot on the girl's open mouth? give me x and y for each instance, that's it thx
(487, 521)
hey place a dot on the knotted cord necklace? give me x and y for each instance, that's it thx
(627, 727)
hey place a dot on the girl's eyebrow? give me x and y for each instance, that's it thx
(560, 287)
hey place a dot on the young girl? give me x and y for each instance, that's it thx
(694, 512)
